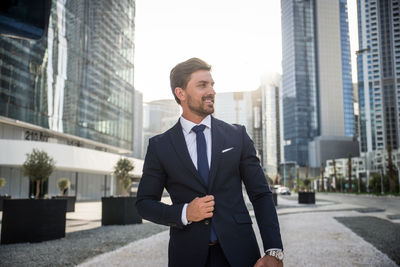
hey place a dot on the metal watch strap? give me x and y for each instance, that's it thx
(276, 253)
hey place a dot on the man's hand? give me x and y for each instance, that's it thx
(200, 208)
(268, 261)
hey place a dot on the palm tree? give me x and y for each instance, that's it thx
(349, 170)
(334, 171)
(391, 171)
(121, 171)
(38, 166)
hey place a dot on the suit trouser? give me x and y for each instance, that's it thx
(216, 257)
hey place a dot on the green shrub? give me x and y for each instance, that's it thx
(121, 171)
(38, 166)
(63, 184)
(2, 182)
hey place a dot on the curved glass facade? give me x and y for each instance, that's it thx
(79, 79)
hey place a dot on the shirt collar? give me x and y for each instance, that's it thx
(188, 125)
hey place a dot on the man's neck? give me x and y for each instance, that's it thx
(193, 117)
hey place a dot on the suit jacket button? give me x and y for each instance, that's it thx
(207, 222)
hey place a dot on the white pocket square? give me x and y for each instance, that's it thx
(226, 150)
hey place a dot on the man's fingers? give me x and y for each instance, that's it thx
(208, 215)
(207, 198)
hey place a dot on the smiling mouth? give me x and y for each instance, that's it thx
(208, 100)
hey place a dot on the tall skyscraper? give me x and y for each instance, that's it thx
(378, 61)
(70, 94)
(317, 94)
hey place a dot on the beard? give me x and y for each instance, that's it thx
(201, 108)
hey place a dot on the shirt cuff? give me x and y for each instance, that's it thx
(279, 249)
(183, 216)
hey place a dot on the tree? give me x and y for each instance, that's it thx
(306, 184)
(121, 171)
(334, 172)
(349, 165)
(2, 182)
(38, 166)
(391, 171)
(322, 177)
(63, 184)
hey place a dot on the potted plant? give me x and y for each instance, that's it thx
(64, 184)
(306, 196)
(34, 220)
(121, 210)
(2, 197)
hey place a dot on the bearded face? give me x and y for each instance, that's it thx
(199, 95)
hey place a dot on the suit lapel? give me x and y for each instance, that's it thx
(179, 144)
(217, 145)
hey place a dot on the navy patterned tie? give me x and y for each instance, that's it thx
(202, 163)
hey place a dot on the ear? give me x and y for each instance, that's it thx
(180, 93)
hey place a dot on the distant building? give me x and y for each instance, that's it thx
(317, 95)
(138, 125)
(271, 125)
(364, 166)
(70, 94)
(258, 111)
(378, 61)
(158, 116)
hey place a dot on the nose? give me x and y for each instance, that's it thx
(212, 91)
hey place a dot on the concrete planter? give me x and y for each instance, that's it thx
(33, 220)
(119, 211)
(1, 201)
(70, 202)
(275, 197)
(306, 197)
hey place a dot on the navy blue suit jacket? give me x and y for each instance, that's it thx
(168, 165)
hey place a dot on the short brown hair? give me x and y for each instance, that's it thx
(180, 74)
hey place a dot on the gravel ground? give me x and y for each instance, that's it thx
(309, 239)
(317, 239)
(385, 235)
(76, 247)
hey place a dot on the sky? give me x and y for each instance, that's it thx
(242, 40)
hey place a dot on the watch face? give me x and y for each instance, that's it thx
(280, 255)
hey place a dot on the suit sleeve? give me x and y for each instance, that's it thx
(150, 190)
(259, 194)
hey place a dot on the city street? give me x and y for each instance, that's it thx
(338, 230)
(390, 204)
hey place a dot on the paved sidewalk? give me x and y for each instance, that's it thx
(311, 237)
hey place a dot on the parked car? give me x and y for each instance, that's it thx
(283, 190)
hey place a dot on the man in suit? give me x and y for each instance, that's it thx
(202, 163)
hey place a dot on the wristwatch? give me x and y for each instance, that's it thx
(276, 253)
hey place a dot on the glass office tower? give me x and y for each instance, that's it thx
(378, 61)
(317, 92)
(299, 79)
(71, 94)
(348, 101)
(79, 79)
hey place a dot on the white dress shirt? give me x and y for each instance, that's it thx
(190, 138)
